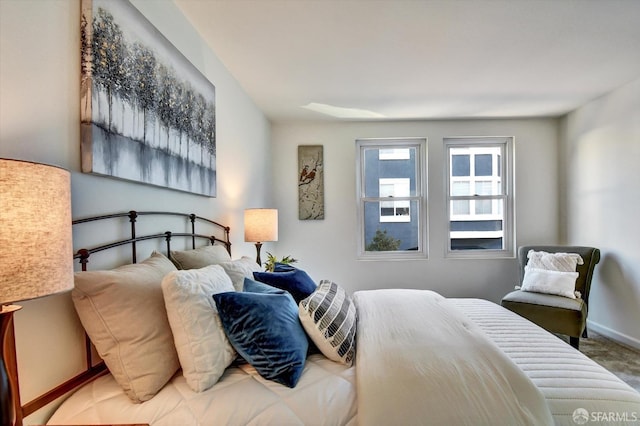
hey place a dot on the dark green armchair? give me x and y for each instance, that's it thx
(557, 314)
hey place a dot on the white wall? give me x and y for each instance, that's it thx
(39, 121)
(327, 248)
(601, 157)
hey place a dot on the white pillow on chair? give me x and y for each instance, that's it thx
(562, 262)
(550, 282)
(551, 273)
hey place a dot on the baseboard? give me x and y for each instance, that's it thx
(613, 334)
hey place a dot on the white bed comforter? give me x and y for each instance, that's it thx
(420, 361)
(415, 336)
(325, 395)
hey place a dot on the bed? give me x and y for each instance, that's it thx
(375, 357)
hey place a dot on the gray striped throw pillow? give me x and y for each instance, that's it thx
(329, 317)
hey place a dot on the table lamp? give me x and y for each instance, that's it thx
(260, 225)
(36, 254)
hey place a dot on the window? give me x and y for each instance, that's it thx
(480, 197)
(391, 198)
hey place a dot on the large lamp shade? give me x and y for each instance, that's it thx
(36, 252)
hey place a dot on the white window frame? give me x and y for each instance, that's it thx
(420, 144)
(507, 196)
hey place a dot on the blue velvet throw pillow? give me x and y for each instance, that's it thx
(296, 282)
(265, 330)
(258, 287)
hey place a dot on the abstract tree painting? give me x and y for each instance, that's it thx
(147, 114)
(310, 182)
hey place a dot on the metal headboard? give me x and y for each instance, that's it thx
(83, 254)
(91, 371)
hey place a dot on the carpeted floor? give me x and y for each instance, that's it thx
(621, 360)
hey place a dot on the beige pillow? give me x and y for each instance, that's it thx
(123, 312)
(200, 257)
(203, 348)
(240, 269)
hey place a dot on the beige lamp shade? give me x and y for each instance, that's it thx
(260, 225)
(36, 254)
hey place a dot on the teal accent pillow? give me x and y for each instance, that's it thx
(265, 330)
(296, 282)
(251, 286)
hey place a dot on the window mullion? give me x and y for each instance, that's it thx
(477, 197)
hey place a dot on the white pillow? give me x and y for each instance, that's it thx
(329, 317)
(203, 348)
(549, 282)
(563, 262)
(240, 269)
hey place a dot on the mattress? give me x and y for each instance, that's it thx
(326, 393)
(571, 383)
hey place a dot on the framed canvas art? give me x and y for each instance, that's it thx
(147, 114)
(310, 182)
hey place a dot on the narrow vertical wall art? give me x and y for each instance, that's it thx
(310, 182)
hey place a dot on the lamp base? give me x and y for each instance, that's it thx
(8, 380)
(258, 247)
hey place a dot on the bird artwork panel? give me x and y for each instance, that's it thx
(310, 182)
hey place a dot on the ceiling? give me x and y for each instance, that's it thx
(421, 59)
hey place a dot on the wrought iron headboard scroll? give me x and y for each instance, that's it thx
(84, 253)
